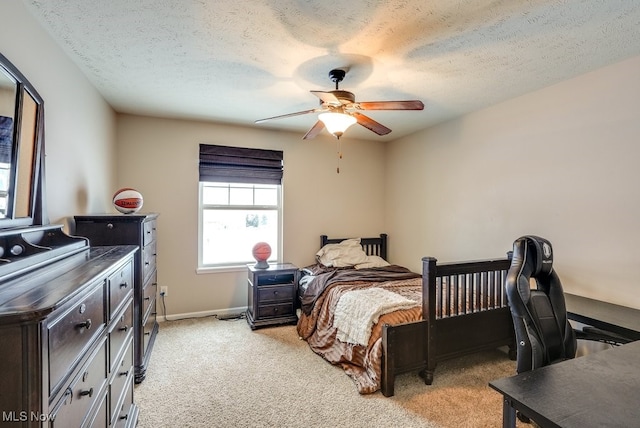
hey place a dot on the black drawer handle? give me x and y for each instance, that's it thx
(125, 328)
(146, 263)
(147, 333)
(88, 392)
(147, 298)
(124, 284)
(124, 417)
(124, 373)
(275, 293)
(86, 324)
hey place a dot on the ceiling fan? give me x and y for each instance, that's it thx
(338, 110)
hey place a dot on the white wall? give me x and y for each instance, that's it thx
(79, 125)
(159, 157)
(561, 162)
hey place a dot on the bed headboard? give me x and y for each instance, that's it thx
(371, 246)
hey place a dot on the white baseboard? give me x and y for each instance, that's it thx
(220, 313)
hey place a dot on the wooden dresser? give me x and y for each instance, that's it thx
(132, 229)
(66, 335)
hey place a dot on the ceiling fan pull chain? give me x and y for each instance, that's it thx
(339, 155)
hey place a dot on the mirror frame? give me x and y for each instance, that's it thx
(35, 213)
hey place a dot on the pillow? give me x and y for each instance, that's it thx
(372, 262)
(343, 254)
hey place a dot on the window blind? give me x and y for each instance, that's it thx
(240, 165)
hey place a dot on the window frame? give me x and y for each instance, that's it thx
(232, 267)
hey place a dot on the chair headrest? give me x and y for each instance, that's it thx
(536, 252)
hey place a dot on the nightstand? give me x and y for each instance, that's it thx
(271, 295)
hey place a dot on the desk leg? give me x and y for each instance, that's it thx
(508, 414)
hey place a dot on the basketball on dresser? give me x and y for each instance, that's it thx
(127, 200)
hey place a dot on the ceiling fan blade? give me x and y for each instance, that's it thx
(391, 105)
(315, 130)
(371, 124)
(327, 97)
(286, 115)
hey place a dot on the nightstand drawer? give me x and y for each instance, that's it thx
(276, 293)
(280, 310)
(277, 278)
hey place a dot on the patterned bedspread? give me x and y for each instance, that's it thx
(361, 363)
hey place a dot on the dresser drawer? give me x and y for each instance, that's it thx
(276, 293)
(105, 232)
(120, 286)
(149, 292)
(149, 232)
(148, 260)
(123, 373)
(280, 310)
(123, 419)
(119, 332)
(84, 392)
(148, 327)
(70, 334)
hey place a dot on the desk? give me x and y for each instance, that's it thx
(606, 316)
(597, 390)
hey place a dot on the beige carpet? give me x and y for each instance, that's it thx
(211, 373)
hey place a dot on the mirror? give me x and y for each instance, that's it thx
(21, 135)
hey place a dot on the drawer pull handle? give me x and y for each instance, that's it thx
(124, 284)
(275, 310)
(86, 324)
(146, 263)
(275, 293)
(147, 298)
(88, 392)
(126, 373)
(124, 417)
(125, 328)
(147, 333)
(109, 225)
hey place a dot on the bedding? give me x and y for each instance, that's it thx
(358, 310)
(317, 319)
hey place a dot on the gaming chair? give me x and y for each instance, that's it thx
(543, 333)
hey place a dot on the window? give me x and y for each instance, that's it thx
(240, 204)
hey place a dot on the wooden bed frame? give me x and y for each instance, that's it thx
(484, 323)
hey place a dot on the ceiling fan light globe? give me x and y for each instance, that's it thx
(337, 123)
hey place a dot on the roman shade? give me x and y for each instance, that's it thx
(240, 165)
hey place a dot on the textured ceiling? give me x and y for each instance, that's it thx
(238, 60)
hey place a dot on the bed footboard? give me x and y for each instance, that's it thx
(404, 349)
(466, 309)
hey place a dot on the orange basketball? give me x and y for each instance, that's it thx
(261, 251)
(127, 200)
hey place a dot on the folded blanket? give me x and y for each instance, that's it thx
(358, 310)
